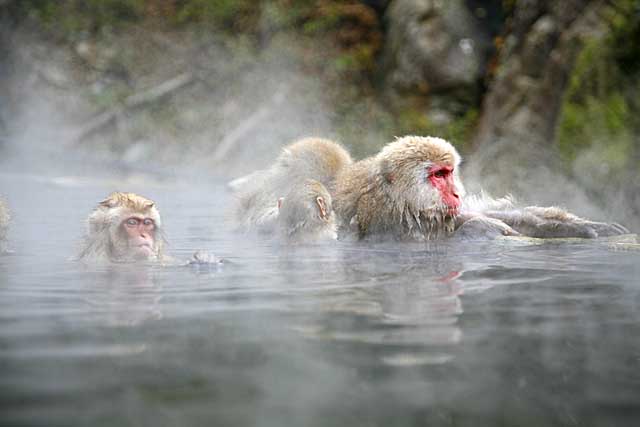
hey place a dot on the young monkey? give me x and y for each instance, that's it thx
(308, 158)
(125, 227)
(306, 213)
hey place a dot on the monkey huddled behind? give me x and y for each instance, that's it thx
(292, 198)
(410, 190)
(306, 213)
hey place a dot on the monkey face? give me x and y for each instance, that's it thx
(139, 233)
(441, 177)
(422, 174)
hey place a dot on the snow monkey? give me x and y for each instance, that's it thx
(410, 190)
(4, 225)
(306, 213)
(317, 159)
(125, 227)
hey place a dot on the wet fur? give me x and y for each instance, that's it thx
(299, 217)
(255, 208)
(388, 195)
(533, 221)
(105, 239)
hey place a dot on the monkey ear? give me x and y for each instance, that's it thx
(109, 202)
(386, 170)
(149, 205)
(279, 203)
(322, 207)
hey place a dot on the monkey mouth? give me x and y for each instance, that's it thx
(145, 248)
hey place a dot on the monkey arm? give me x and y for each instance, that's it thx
(550, 222)
(478, 226)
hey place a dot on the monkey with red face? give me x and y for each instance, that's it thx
(412, 190)
(125, 227)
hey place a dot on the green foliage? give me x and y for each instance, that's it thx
(70, 17)
(458, 130)
(237, 15)
(596, 122)
(600, 112)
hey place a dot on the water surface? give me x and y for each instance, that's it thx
(447, 334)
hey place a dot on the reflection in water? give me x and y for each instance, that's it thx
(124, 294)
(334, 334)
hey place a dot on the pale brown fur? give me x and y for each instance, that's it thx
(306, 213)
(387, 195)
(4, 225)
(104, 240)
(257, 194)
(533, 221)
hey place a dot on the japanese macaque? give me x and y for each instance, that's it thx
(306, 213)
(410, 190)
(318, 159)
(125, 227)
(4, 226)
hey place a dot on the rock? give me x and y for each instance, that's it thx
(433, 46)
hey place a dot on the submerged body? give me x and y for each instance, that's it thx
(4, 225)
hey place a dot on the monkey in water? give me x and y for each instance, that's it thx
(4, 226)
(124, 227)
(412, 190)
(306, 213)
(256, 207)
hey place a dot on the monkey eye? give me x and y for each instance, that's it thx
(148, 222)
(132, 222)
(441, 173)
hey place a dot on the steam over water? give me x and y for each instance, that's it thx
(345, 334)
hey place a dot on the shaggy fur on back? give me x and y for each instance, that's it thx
(388, 194)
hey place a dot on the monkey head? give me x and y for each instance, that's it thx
(421, 174)
(125, 227)
(306, 213)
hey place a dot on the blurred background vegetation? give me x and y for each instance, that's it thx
(147, 76)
